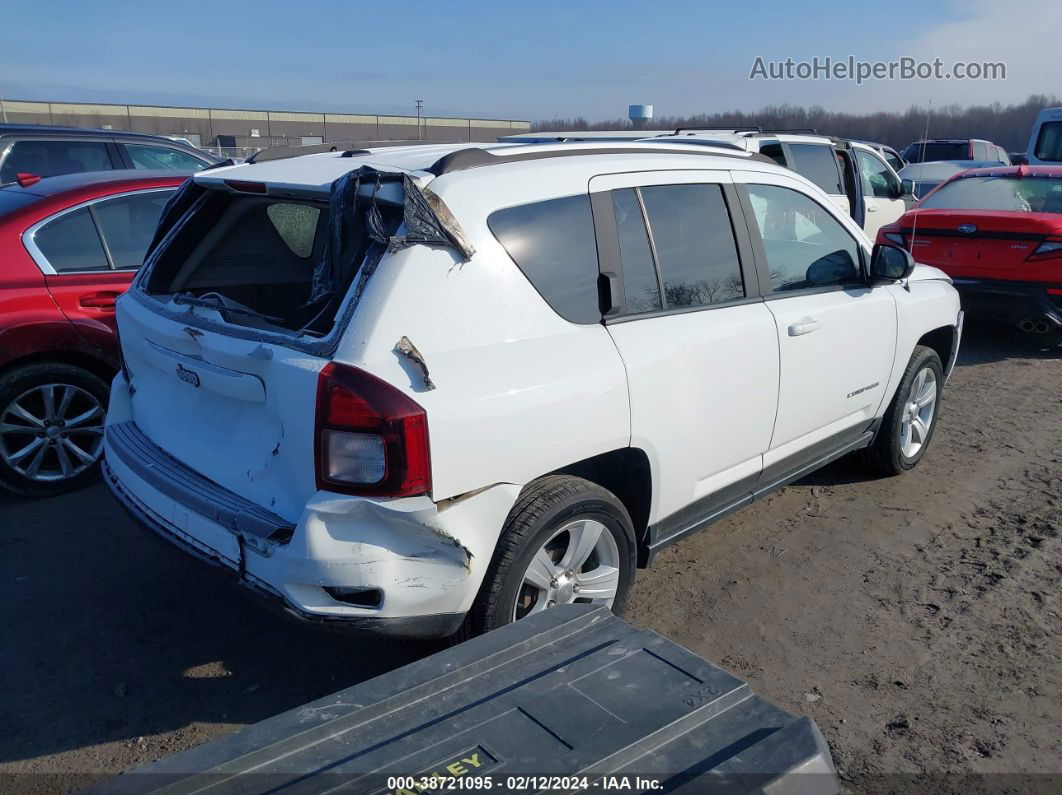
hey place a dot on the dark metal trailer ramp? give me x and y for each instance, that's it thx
(572, 699)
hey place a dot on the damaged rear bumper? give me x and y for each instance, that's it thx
(402, 559)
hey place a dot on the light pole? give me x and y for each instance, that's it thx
(420, 104)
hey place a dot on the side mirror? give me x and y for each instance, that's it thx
(889, 263)
(907, 187)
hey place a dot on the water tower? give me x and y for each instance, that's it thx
(640, 115)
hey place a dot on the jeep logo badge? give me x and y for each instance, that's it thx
(967, 229)
(189, 376)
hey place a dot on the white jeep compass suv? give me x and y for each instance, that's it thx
(438, 388)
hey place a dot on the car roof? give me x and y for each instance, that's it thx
(86, 132)
(1049, 172)
(65, 183)
(743, 137)
(316, 172)
(941, 169)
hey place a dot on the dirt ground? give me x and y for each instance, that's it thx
(916, 619)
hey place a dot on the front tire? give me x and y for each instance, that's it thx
(909, 423)
(566, 540)
(51, 428)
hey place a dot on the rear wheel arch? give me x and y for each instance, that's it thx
(626, 473)
(97, 367)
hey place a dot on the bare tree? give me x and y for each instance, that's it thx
(1006, 125)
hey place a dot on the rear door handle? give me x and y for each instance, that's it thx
(805, 326)
(102, 300)
(872, 208)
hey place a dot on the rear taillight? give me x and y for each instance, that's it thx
(371, 440)
(1052, 247)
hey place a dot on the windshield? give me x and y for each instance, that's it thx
(1006, 194)
(937, 150)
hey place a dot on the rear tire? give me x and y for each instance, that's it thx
(555, 520)
(70, 432)
(905, 433)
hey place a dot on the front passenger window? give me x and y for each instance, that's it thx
(878, 181)
(806, 247)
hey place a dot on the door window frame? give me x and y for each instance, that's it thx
(28, 237)
(609, 260)
(760, 253)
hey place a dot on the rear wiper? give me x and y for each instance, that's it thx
(221, 306)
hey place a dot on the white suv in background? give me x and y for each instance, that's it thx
(422, 389)
(852, 173)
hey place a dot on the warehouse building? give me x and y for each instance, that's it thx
(219, 127)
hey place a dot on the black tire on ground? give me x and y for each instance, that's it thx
(542, 507)
(885, 456)
(21, 379)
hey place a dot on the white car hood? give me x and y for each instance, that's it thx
(927, 273)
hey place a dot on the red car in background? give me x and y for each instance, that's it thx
(69, 246)
(998, 233)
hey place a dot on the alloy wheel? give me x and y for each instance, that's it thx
(52, 432)
(919, 410)
(578, 563)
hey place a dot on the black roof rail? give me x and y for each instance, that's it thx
(793, 130)
(731, 129)
(284, 152)
(698, 142)
(474, 157)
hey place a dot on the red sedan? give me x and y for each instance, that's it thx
(69, 246)
(998, 233)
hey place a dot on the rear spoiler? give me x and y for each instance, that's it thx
(284, 152)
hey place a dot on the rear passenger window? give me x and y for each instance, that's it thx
(775, 152)
(640, 286)
(819, 164)
(128, 224)
(51, 158)
(71, 243)
(694, 242)
(553, 243)
(805, 246)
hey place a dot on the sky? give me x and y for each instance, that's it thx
(537, 60)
